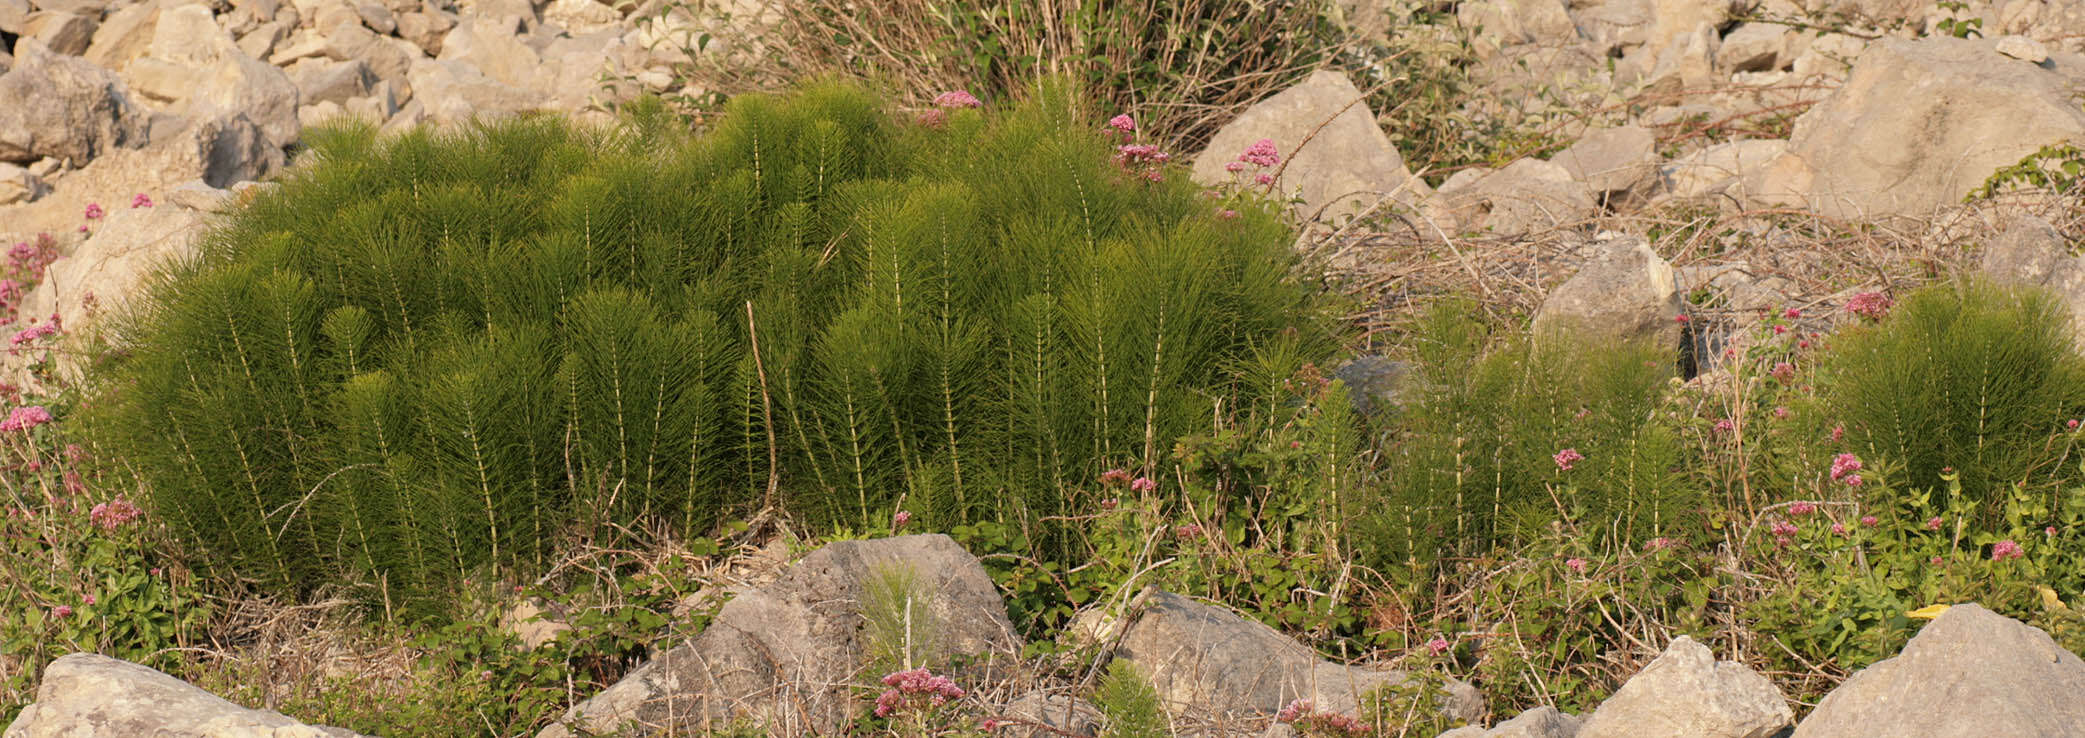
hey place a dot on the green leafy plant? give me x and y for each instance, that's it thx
(2057, 168)
(1506, 436)
(1969, 376)
(900, 630)
(439, 355)
(1956, 26)
(1129, 704)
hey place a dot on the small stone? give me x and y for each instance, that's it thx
(2023, 48)
(377, 17)
(18, 184)
(195, 195)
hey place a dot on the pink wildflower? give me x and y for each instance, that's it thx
(1575, 564)
(1838, 432)
(141, 201)
(1114, 477)
(155, 571)
(1802, 508)
(94, 211)
(1852, 480)
(1680, 318)
(1725, 426)
(2071, 424)
(1870, 305)
(2007, 549)
(956, 99)
(24, 418)
(1123, 123)
(1296, 709)
(114, 514)
(1227, 214)
(1234, 167)
(1934, 561)
(1933, 523)
(1844, 464)
(1658, 544)
(1263, 179)
(1780, 329)
(1261, 153)
(1142, 484)
(1109, 504)
(1869, 521)
(899, 520)
(1791, 313)
(62, 611)
(89, 599)
(1783, 528)
(1567, 457)
(1781, 412)
(1188, 532)
(1437, 646)
(1838, 529)
(915, 688)
(2049, 531)
(1783, 372)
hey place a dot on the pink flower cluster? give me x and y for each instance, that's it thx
(1114, 478)
(114, 514)
(1802, 508)
(1437, 646)
(1783, 372)
(2007, 549)
(1304, 715)
(1261, 154)
(38, 331)
(94, 211)
(1870, 305)
(1123, 124)
(915, 688)
(956, 99)
(24, 418)
(141, 200)
(1144, 160)
(1575, 564)
(27, 260)
(899, 520)
(1843, 468)
(1567, 457)
(1188, 532)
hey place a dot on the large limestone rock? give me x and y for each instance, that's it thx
(1208, 662)
(1918, 124)
(1348, 165)
(80, 110)
(124, 35)
(1720, 169)
(1528, 196)
(1626, 292)
(1970, 673)
(785, 654)
(107, 271)
(1504, 23)
(200, 71)
(1042, 714)
(86, 695)
(454, 91)
(64, 33)
(1686, 693)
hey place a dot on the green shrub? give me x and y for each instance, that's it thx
(1970, 376)
(1129, 704)
(437, 354)
(1505, 439)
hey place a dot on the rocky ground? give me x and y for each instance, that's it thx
(1712, 161)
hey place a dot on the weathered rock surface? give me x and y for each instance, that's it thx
(18, 184)
(1720, 169)
(1970, 672)
(1528, 196)
(1042, 714)
(1541, 722)
(1348, 164)
(1209, 662)
(81, 110)
(1612, 162)
(1626, 292)
(2028, 250)
(785, 654)
(86, 695)
(107, 270)
(1686, 693)
(1919, 124)
(200, 71)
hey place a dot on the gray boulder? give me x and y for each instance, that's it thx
(1348, 165)
(1686, 693)
(2029, 251)
(1626, 292)
(1541, 722)
(86, 695)
(1614, 163)
(1918, 124)
(1208, 663)
(1969, 673)
(1528, 196)
(786, 654)
(81, 110)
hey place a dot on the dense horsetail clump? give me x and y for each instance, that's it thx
(434, 356)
